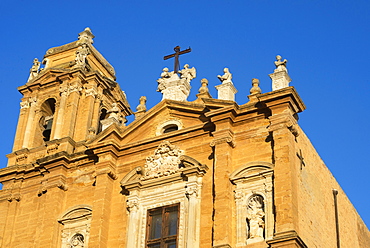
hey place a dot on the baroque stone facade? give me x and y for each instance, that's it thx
(212, 172)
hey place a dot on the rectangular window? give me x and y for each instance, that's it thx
(162, 228)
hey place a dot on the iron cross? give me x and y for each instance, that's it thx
(300, 156)
(176, 55)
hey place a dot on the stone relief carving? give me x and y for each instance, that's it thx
(77, 241)
(165, 161)
(255, 218)
(226, 78)
(188, 73)
(35, 69)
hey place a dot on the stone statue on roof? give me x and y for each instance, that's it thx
(35, 69)
(280, 65)
(187, 73)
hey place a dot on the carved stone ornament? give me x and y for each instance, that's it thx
(188, 73)
(164, 162)
(35, 69)
(280, 78)
(172, 87)
(226, 78)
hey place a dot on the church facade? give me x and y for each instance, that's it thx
(205, 173)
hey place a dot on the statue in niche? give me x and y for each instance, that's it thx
(188, 73)
(77, 241)
(226, 78)
(35, 69)
(255, 218)
(280, 65)
(81, 55)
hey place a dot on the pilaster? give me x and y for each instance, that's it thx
(222, 144)
(30, 123)
(102, 203)
(22, 123)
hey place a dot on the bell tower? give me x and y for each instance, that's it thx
(69, 97)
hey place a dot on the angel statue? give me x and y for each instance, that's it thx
(188, 73)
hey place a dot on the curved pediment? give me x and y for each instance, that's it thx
(76, 213)
(251, 169)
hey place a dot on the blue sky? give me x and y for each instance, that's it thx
(326, 44)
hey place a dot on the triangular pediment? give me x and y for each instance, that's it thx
(186, 116)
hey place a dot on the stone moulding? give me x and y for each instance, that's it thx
(182, 187)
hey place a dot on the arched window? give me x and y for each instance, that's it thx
(46, 121)
(103, 115)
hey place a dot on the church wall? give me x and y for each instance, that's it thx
(316, 205)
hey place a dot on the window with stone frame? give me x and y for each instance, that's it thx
(169, 178)
(162, 227)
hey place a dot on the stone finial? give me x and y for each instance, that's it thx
(255, 87)
(188, 73)
(204, 87)
(86, 36)
(141, 108)
(172, 87)
(226, 90)
(203, 90)
(35, 69)
(280, 78)
(226, 78)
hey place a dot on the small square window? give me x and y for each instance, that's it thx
(162, 227)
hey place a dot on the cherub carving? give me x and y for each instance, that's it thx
(188, 73)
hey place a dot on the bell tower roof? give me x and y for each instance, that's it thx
(76, 53)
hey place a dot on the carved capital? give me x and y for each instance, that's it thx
(25, 104)
(132, 205)
(283, 120)
(223, 136)
(91, 92)
(238, 195)
(191, 191)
